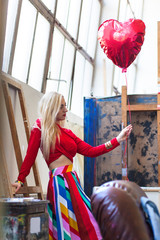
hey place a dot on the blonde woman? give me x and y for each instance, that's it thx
(69, 209)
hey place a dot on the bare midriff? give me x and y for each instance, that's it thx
(61, 161)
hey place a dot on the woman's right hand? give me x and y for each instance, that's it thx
(17, 186)
(124, 133)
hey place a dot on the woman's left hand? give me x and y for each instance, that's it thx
(124, 133)
(17, 186)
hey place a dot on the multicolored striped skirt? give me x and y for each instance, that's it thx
(69, 209)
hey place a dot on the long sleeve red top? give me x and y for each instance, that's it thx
(68, 145)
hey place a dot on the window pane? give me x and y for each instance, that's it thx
(51, 86)
(24, 41)
(56, 55)
(84, 23)
(62, 11)
(11, 17)
(87, 81)
(67, 66)
(50, 4)
(39, 53)
(93, 30)
(73, 18)
(77, 97)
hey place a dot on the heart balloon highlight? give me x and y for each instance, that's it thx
(121, 41)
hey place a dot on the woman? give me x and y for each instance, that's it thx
(69, 209)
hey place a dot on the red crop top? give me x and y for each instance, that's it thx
(69, 145)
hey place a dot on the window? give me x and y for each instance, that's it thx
(39, 53)
(24, 41)
(11, 19)
(51, 45)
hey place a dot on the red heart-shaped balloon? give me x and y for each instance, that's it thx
(121, 41)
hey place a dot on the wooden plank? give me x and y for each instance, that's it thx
(12, 124)
(124, 105)
(24, 114)
(5, 184)
(41, 7)
(158, 137)
(158, 100)
(29, 190)
(142, 107)
(158, 47)
(37, 180)
(124, 108)
(151, 189)
(10, 80)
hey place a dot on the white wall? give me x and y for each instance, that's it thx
(145, 82)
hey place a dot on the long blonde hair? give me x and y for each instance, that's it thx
(49, 107)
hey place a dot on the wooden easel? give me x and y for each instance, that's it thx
(8, 81)
(142, 107)
(145, 107)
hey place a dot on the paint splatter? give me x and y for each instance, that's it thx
(147, 127)
(151, 139)
(105, 135)
(144, 150)
(138, 161)
(116, 128)
(141, 178)
(133, 140)
(108, 176)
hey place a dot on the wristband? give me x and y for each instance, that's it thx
(108, 145)
(17, 181)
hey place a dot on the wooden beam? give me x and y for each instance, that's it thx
(5, 185)
(37, 180)
(12, 124)
(124, 122)
(158, 137)
(41, 7)
(142, 107)
(24, 114)
(158, 53)
(10, 80)
(124, 105)
(158, 100)
(29, 189)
